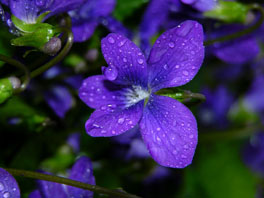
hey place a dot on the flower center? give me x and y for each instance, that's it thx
(135, 94)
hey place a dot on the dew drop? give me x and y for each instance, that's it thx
(191, 136)
(120, 120)
(165, 66)
(113, 132)
(39, 3)
(158, 129)
(140, 61)
(121, 43)
(174, 152)
(96, 126)
(171, 44)
(193, 67)
(91, 99)
(110, 72)
(124, 60)
(103, 131)
(183, 156)
(177, 66)
(1, 186)
(186, 73)
(6, 195)
(111, 40)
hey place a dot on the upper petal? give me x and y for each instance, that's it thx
(169, 130)
(112, 123)
(122, 54)
(8, 185)
(81, 171)
(176, 56)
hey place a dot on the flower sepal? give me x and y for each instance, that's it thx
(184, 96)
(35, 35)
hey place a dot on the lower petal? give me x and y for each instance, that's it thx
(169, 130)
(105, 123)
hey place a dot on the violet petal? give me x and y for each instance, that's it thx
(106, 124)
(127, 58)
(8, 185)
(169, 130)
(81, 171)
(176, 56)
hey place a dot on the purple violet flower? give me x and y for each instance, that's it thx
(28, 10)
(213, 112)
(125, 95)
(81, 171)
(8, 185)
(254, 153)
(90, 15)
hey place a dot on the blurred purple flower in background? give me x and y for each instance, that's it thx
(8, 185)
(254, 153)
(81, 171)
(213, 112)
(168, 128)
(90, 15)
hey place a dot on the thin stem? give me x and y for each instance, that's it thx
(21, 66)
(57, 59)
(62, 180)
(243, 32)
(231, 134)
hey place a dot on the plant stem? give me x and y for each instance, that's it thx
(62, 180)
(231, 134)
(243, 32)
(21, 66)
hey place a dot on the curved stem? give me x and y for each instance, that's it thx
(21, 66)
(243, 32)
(57, 59)
(231, 134)
(62, 180)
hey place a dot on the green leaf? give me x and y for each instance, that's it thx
(219, 173)
(126, 8)
(16, 108)
(229, 12)
(6, 89)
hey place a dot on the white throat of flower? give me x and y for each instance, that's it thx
(135, 94)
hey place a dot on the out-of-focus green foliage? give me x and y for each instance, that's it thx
(6, 89)
(219, 172)
(126, 8)
(229, 12)
(25, 114)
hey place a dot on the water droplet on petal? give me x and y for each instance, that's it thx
(186, 73)
(120, 120)
(140, 61)
(39, 3)
(165, 66)
(1, 186)
(103, 131)
(174, 152)
(110, 72)
(171, 44)
(183, 156)
(191, 136)
(177, 66)
(124, 60)
(111, 40)
(121, 43)
(6, 195)
(158, 129)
